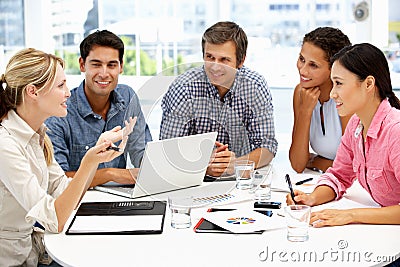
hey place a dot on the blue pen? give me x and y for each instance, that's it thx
(290, 187)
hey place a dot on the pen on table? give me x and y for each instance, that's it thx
(304, 181)
(290, 187)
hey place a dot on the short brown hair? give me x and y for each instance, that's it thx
(225, 31)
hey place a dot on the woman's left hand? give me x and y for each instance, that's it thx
(116, 134)
(331, 217)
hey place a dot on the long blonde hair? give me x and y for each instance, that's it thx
(28, 67)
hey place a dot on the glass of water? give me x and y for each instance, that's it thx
(243, 173)
(298, 220)
(180, 207)
(262, 179)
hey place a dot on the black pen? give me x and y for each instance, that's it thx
(114, 148)
(304, 181)
(290, 187)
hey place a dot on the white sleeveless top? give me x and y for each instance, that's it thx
(325, 145)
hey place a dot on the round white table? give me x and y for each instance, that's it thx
(349, 245)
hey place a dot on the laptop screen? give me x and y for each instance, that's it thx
(170, 164)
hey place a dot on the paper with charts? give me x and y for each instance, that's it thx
(243, 221)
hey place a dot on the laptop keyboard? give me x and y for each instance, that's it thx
(128, 190)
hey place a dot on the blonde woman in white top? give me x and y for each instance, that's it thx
(33, 187)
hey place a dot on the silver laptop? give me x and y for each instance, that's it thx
(168, 165)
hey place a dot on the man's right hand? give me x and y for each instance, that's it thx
(125, 176)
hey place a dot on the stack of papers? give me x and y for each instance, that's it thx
(198, 201)
(243, 221)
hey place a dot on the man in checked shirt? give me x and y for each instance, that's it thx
(226, 97)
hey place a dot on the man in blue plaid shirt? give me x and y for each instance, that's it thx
(226, 97)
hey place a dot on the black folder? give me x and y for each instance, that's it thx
(118, 218)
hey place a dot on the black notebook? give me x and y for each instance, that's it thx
(123, 217)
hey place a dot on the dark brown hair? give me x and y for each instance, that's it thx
(329, 39)
(364, 60)
(225, 31)
(101, 38)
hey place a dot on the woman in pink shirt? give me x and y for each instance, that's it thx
(369, 149)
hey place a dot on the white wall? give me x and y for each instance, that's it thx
(374, 29)
(38, 25)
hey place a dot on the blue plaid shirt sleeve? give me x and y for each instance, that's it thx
(261, 129)
(177, 113)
